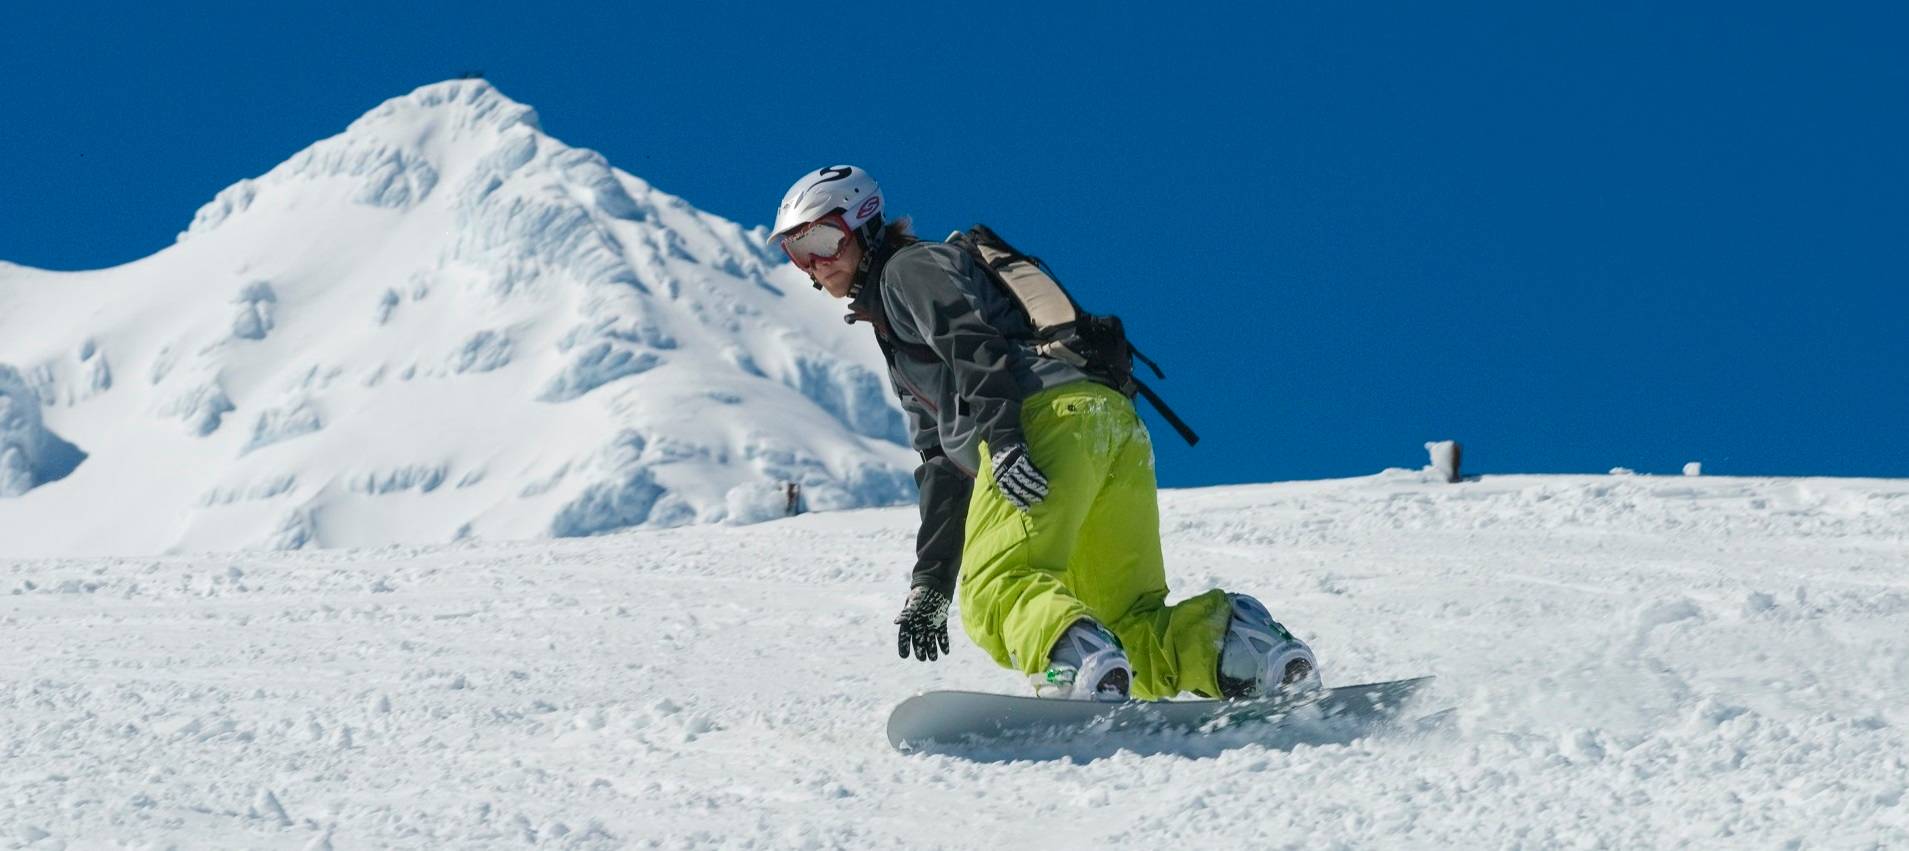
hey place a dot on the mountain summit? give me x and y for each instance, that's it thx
(440, 323)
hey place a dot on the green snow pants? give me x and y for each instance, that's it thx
(1091, 549)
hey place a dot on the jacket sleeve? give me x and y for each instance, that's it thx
(944, 518)
(944, 504)
(930, 291)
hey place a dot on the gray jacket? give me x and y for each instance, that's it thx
(960, 358)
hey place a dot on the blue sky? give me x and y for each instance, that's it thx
(1620, 235)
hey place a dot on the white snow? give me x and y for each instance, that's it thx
(1444, 460)
(440, 294)
(1633, 661)
(30, 454)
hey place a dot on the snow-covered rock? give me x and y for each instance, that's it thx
(30, 455)
(441, 294)
(1444, 459)
(253, 319)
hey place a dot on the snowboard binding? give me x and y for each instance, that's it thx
(1087, 663)
(1260, 657)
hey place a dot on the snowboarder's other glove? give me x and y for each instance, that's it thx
(924, 624)
(1017, 477)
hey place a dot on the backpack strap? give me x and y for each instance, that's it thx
(1146, 360)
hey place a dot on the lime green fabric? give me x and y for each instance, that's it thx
(1090, 549)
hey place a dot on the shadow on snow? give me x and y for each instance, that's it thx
(1076, 745)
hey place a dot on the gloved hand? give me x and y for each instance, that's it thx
(1017, 477)
(924, 624)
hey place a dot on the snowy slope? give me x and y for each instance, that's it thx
(1635, 662)
(440, 323)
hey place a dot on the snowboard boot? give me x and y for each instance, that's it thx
(1087, 663)
(1259, 657)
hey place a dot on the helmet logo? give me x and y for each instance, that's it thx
(833, 173)
(869, 207)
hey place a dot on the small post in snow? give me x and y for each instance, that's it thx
(1445, 459)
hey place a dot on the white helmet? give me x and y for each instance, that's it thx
(819, 193)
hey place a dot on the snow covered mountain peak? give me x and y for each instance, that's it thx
(440, 323)
(395, 155)
(452, 105)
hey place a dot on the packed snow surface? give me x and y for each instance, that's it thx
(1633, 662)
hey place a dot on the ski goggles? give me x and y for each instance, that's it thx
(822, 239)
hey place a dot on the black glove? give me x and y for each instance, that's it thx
(1017, 477)
(924, 624)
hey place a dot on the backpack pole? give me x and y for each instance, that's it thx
(1173, 419)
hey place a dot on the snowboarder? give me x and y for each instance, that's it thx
(1057, 551)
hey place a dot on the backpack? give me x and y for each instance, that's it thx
(1093, 343)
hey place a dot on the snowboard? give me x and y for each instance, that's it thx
(970, 717)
